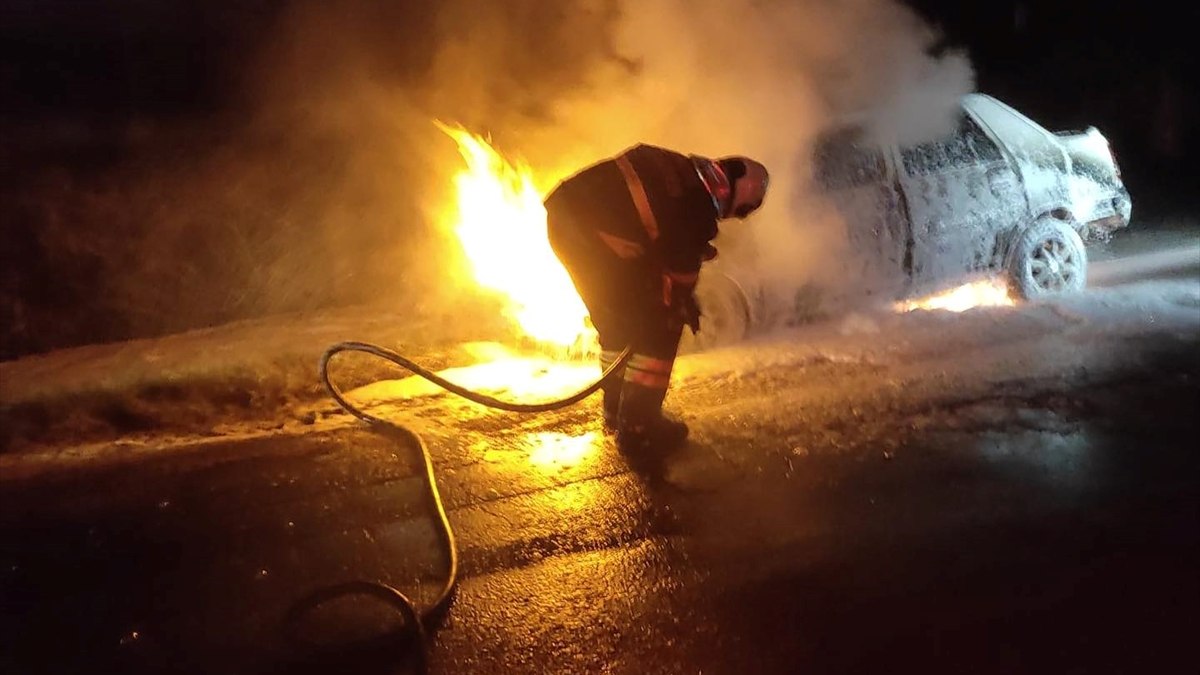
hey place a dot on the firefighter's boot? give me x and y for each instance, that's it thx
(643, 432)
(611, 390)
(612, 405)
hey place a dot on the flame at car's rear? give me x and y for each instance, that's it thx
(501, 225)
(984, 293)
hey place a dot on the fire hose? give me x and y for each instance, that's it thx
(421, 620)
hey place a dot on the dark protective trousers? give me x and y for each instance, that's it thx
(625, 300)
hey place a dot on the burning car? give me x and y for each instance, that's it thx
(999, 196)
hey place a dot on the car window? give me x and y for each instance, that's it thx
(843, 159)
(1025, 139)
(978, 145)
(969, 145)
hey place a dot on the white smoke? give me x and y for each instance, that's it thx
(760, 78)
(322, 191)
(564, 84)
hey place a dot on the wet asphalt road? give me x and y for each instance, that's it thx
(1022, 495)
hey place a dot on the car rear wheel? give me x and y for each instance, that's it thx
(1047, 259)
(724, 313)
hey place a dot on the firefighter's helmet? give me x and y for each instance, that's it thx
(748, 181)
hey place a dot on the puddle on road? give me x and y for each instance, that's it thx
(1062, 459)
(1037, 443)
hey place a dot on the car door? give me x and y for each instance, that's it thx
(857, 177)
(962, 197)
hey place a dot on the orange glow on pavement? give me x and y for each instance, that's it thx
(500, 373)
(555, 450)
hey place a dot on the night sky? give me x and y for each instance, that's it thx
(77, 76)
(1128, 67)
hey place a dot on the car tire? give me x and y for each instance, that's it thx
(724, 313)
(1047, 259)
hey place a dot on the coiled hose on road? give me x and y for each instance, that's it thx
(421, 620)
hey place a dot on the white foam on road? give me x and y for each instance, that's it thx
(1173, 261)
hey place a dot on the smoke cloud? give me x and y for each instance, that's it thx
(324, 182)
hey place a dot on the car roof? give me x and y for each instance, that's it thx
(986, 108)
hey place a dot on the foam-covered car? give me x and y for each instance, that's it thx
(1000, 194)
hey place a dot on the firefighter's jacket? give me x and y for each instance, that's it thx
(647, 203)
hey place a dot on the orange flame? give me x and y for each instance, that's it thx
(501, 225)
(984, 293)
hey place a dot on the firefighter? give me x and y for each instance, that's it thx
(632, 231)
